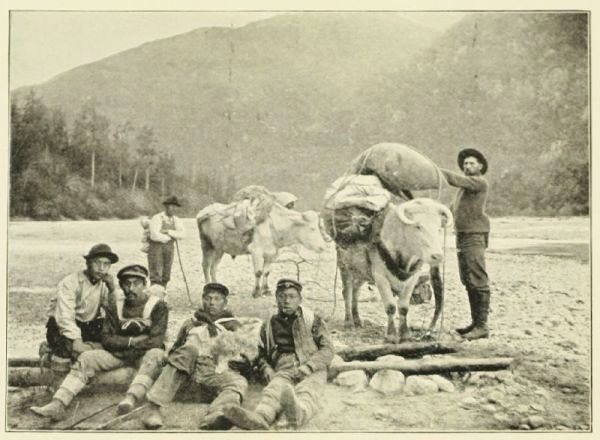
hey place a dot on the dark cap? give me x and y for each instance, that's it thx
(472, 152)
(286, 283)
(215, 287)
(172, 200)
(133, 270)
(102, 250)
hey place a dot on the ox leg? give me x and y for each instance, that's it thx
(207, 263)
(216, 259)
(265, 291)
(347, 292)
(356, 285)
(257, 262)
(403, 303)
(387, 296)
(438, 293)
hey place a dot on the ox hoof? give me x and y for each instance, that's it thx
(357, 322)
(392, 339)
(406, 337)
(256, 294)
(348, 325)
(266, 292)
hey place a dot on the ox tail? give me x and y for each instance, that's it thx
(205, 240)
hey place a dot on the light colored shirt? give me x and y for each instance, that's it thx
(164, 228)
(77, 299)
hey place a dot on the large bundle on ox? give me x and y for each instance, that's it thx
(376, 187)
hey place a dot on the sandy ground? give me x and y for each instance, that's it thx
(541, 316)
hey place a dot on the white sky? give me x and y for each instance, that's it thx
(44, 44)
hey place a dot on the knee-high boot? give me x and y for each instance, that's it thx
(473, 300)
(480, 330)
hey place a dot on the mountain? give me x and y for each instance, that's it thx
(287, 102)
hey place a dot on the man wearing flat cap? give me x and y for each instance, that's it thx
(187, 361)
(133, 334)
(75, 314)
(164, 228)
(472, 227)
(295, 350)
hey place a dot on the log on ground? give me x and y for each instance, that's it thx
(29, 377)
(424, 366)
(406, 349)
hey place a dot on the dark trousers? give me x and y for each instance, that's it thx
(470, 248)
(62, 346)
(160, 260)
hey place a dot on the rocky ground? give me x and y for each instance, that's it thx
(541, 316)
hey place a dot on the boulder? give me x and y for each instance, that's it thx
(535, 421)
(387, 381)
(417, 385)
(495, 396)
(355, 379)
(443, 384)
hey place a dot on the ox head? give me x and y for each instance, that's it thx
(421, 220)
(308, 231)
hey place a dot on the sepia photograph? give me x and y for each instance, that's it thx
(362, 221)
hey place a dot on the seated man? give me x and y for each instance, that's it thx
(75, 320)
(131, 335)
(295, 350)
(189, 359)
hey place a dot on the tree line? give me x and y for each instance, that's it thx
(92, 169)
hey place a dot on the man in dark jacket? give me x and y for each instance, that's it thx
(295, 351)
(188, 360)
(472, 231)
(133, 334)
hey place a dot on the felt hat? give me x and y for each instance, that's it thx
(472, 152)
(102, 250)
(172, 200)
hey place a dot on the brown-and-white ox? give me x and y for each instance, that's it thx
(410, 236)
(284, 227)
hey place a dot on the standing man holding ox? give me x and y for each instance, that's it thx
(472, 232)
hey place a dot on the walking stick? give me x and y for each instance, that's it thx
(187, 288)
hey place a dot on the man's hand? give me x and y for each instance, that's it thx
(304, 371)
(109, 280)
(135, 340)
(242, 366)
(79, 346)
(268, 375)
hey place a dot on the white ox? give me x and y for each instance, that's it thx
(283, 227)
(408, 238)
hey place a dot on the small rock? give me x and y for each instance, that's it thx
(535, 421)
(381, 414)
(495, 396)
(523, 409)
(538, 408)
(542, 392)
(502, 418)
(418, 385)
(528, 332)
(515, 421)
(443, 384)
(387, 381)
(563, 428)
(337, 359)
(524, 427)
(390, 358)
(468, 401)
(489, 408)
(356, 379)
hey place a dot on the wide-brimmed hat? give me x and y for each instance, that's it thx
(172, 200)
(286, 283)
(215, 287)
(102, 250)
(472, 152)
(133, 270)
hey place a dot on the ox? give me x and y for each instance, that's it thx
(283, 227)
(408, 237)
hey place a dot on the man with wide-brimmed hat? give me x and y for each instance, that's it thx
(295, 350)
(75, 314)
(472, 227)
(189, 362)
(164, 228)
(133, 334)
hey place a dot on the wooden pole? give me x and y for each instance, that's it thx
(424, 366)
(406, 349)
(30, 376)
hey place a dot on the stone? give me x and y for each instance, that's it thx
(489, 408)
(542, 392)
(523, 409)
(355, 379)
(538, 408)
(495, 396)
(515, 421)
(390, 358)
(417, 385)
(443, 384)
(387, 381)
(502, 418)
(468, 402)
(337, 360)
(535, 421)
(524, 427)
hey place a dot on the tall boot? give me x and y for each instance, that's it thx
(483, 308)
(473, 298)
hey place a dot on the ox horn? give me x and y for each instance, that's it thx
(402, 214)
(447, 214)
